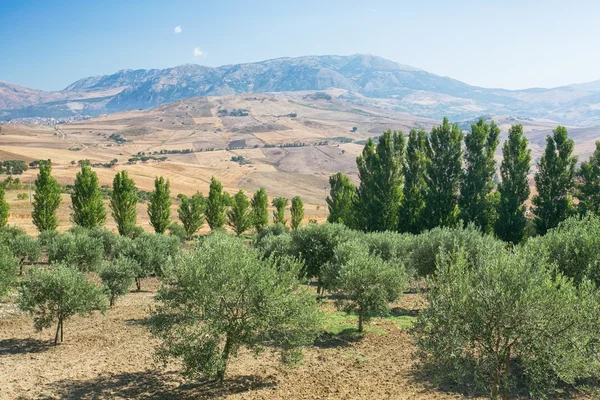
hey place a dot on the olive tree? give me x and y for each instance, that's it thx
(24, 248)
(222, 296)
(53, 295)
(152, 252)
(507, 322)
(8, 269)
(80, 250)
(117, 277)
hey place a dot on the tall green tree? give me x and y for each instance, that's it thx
(444, 173)
(297, 212)
(514, 188)
(191, 213)
(280, 203)
(159, 209)
(46, 199)
(380, 192)
(215, 205)
(86, 200)
(238, 216)
(260, 212)
(554, 181)
(123, 203)
(4, 208)
(341, 199)
(477, 201)
(415, 183)
(588, 187)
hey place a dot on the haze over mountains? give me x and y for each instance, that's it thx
(364, 79)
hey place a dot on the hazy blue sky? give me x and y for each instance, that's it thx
(511, 44)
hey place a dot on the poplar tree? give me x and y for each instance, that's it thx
(190, 212)
(444, 173)
(514, 188)
(215, 205)
(238, 216)
(477, 201)
(260, 213)
(159, 209)
(341, 199)
(280, 203)
(588, 188)
(86, 201)
(4, 208)
(380, 192)
(297, 212)
(46, 199)
(554, 181)
(415, 183)
(123, 203)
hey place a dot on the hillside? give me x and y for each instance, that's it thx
(367, 79)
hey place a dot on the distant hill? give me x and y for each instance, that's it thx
(365, 79)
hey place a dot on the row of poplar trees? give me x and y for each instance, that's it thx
(88, 209)
(444, 177)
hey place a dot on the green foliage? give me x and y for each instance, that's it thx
(415, 183)
(4, 208)
(507, 323)
(55, 294)
(79, 250)
(222, 296)
(86, 199)
(380, 192)
(159, 209)
(444, 173)
(177, 230)
(22, 196)
(215, 205)
(46, 199)
(275, 245)
(260, 213)
(152, 252)
(363, 282)
(297, 212)
(280, 203)
(24, 247)
(554, 182)
(13, 167)
(514, 188)
(476, 201)
(8, 269)
(588, 187)
(191, 213)
(271, 230)
(341, 200)
(123, 203)
(238, 216)
(117, 277)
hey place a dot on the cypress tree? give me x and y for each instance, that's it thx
(554, 181)
(190, 212)
(588, 188)
(215, 205)
(123, 203)
(379, 195)
(4, 208)
(297, 212)
(514, 188)
(260, 212)
(477, 201)
(415, 183)
(46, 199)
(238, 216)
(280, 203)
(87, 202)
(341, 199)
(159, 209)
(444, 173)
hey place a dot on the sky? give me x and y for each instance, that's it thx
(48, 44)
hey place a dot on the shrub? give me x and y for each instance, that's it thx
(274, 230)
(222, 296)
(55, 294)
(8, 269)
(178, 231)
(152, 252)
(117, 277)
(25, 247)
(22, 196)
(507, 321)
(80, 250)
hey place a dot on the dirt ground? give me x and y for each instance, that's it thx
(110, 356)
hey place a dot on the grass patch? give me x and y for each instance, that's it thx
(341, 323)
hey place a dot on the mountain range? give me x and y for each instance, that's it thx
(363, 79)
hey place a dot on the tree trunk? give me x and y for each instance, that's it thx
(138, 283)
(56, 335)
(496, 385)
(62, 329)
(224, 359)
(360, 322)
(506, 372)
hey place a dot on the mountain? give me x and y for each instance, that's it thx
(364, 79)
